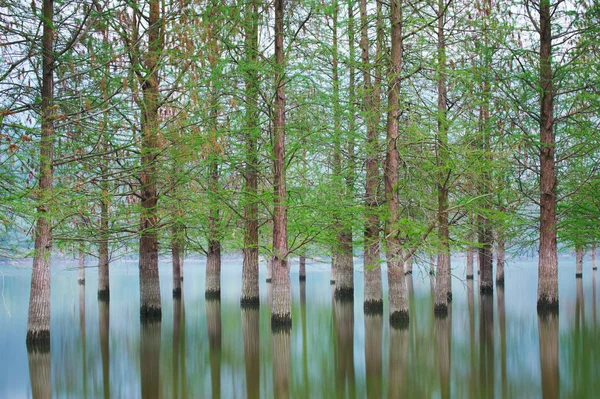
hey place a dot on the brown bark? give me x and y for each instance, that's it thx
(251, 332)
(579, 262)
(104, 332)
(372, 277)
(398, 298)
(38, 323)
(302, 268)
(548, 336)
(500, 261)
(443, 284)
(548, 258)
(281, 315)
(150, 305)
(213, 324)
(177, 258)
(470, 256)
(373, 361)
(594, 265)
(250, 290)
(150, 358)
(213, 271)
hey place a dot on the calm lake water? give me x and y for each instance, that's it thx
(487, 347)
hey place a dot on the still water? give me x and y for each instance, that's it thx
(487, 346)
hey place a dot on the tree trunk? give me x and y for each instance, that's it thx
(38, 323)
(594, 265)
(213, 324)
(373, 287)
(500, 261)
(548, 258)
(177, 258)
(398, 298)
(579, 262)
(81, 265)
(251, 332)
(302, 268)
(250, 290)
(344, 287)
(281, 315)
(104, 332)
(269, 278)
(103, 259)
(150, 306)
(470, 259)
(213, 271)
(408, 266)
(443, 285)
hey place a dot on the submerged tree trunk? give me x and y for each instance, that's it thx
(398, 365)
(548, 257)
(213, 324)
(548, 337)
(281, 315)
(281, 362)
(373, 361)
(442, 326)
(486, 345)
(579, 262)
(302, 269)
(39, 373)
(343, 313)
(150, 358)
(251, 333)
(104, 332)
(443, 281)
(250, 290)
(373, 287)
(398, 298)
(150, 306)
(177, 258)
(38, 322)
(500, 261)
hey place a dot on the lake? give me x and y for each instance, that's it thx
(487, 346)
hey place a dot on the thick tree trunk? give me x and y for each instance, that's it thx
(500, 261)
(150, 306)
(344, 287)
(213, 324)
(104, 332)
(38, 323)
(579, 262)
(548, 336)
(251, 332)
(373, 361)
(177, 258)
(548, 257)
(302, 269)
(39, 373)
(213, 271)
(250, 290)
(372, 279)
(81, 265)
(398, 298)
(281, 315)
(150, 358)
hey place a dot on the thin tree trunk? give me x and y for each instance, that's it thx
(398, 298)
(302, 268)
(150, 305)
(470, 256)
(38, 322)
(372, 276)
(579, 262)
(443, 284)
(548, 258)
(500, 261)
(213, 324)
(269, 278)
(81, 265)
(177, 258)
(281, 315)
(251, 332)
(594, 265)
(104, 332)
(250, 290)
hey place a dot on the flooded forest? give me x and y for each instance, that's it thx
(299, 199)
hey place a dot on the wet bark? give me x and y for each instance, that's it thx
(104, 332)
(372, 278)
(579, 262)
(548, 258)
(251, 332)
(150, 305)
(38, 322)
(443, 285)
(500, 261)
(344, 287)
(250, 290)
(373, 361)
(213, 324)
(281, 316)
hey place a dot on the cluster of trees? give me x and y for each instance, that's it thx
(410, 128)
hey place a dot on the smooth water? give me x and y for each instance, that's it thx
(487, 347)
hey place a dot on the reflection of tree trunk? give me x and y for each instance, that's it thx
(594, 295)
(302, 268)
(177, 332)
(472, 341)
(486, 345)
(104, 326)
(150, 358)
(373, 335)
(410, 288)
(442, 334)
(304, 336)
(397, 369)
(82, 333)
(251, 332)
(344, 329)
(213, 323)
(502, 322)
(579, 262)
(281, 363)
(548, 334)
(579, 306)
(39, 373)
